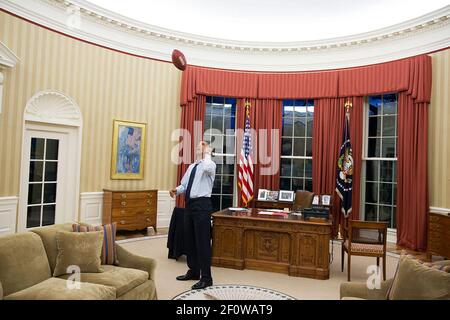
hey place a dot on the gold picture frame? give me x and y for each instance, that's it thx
(128, 150)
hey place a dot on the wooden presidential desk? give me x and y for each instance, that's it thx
(291, 245)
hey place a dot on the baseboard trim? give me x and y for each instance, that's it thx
(8, 214)
(439, 210)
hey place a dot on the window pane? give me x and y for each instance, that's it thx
(300, 112)
(371, 192)
(311, 109)
(285, 184)
(218, 100)
(297, 184)
(229, 110)
(299, 146)
(51, 171)
(389, 125)
(52, 149)
(370, 212)
(37, 148)
(308, 168)
(386, 193)
(394, 218)
(287, 127)
(298, 168)
(34, 193)
(228, 167)
(228, 125)
(309, 147)
(217, 184)
(217, 123)
(50, 193)
(288, 109)
(230, 102)
(388, 148)
(33, 217)
(227, 184)
(308, 184)
(387, 171)
(217, 143)
(300, 127)
(373, 149)
(286, 147)
(217, 110)
(372, 170)
(374, 105)
(310, 127)
(227, 201)
(208, 107)
(374, 126)
(48, 215)
(390, 104)
(385, 214)
(229, 146)
(36, 171)
(215, 200)
(285, 167)
(300, 102)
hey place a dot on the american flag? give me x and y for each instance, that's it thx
(245, 179)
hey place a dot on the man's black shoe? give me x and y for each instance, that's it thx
(201, 285)
(188, 276)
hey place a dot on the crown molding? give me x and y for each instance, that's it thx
(100, 26)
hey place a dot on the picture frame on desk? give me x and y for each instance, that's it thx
(326, 200)
(262, 194)
(316, 200)
(272, 195)
(286, 196)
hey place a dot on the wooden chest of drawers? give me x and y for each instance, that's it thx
(438, 235)
(132, 210)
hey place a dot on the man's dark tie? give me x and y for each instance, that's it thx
(191, 181)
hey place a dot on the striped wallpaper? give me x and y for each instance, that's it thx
(108, 84)
(439, 132)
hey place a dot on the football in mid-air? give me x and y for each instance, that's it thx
(179, 60)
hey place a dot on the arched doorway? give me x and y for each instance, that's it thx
(51, 155)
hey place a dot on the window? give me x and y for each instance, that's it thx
(219, 129)
(379, 182)
(296, 145)
(42, 182)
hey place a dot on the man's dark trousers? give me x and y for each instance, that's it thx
(197, 234)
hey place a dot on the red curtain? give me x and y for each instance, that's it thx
(412, 178)
(264, 114)
(192, 120)
(329, 115)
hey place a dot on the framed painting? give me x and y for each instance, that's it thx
(128, 150)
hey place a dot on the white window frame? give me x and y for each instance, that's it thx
(365, 158)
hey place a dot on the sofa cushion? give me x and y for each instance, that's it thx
(415, 280)
(78, 249)
(109, 255)
(122, 279)
(48, 237)
(58, 289)
(23, 262)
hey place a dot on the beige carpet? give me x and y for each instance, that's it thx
(300, 288)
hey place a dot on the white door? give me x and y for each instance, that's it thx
(44, 171)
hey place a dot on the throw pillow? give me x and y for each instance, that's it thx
(415, 280)
(109, 253)
(78, 249)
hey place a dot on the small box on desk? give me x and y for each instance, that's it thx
(316, 212)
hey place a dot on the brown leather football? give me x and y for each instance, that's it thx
(179, 60)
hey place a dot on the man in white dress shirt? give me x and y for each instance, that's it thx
(197, 184)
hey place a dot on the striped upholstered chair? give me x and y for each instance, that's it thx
(364, 238)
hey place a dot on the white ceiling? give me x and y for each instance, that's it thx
(272, 20)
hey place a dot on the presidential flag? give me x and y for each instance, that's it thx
(245, 178)
(344, 179)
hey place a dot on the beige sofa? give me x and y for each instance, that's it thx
(27, 262)
(358, 291)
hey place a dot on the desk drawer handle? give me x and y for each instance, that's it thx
(123, 203)
(148, 210)
(122, 221)
(149, 201)
(148, 219)
(124, 195)
(122, 211)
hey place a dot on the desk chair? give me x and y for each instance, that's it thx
(303, 199)
(364, 238)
